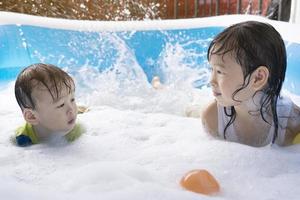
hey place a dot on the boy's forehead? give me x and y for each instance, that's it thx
(41, 93)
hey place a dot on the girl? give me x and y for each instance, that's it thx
(248, 62)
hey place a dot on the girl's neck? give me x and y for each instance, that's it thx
(251, 128)
(251, 108)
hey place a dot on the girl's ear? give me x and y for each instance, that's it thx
(261, 76)
(30, 116)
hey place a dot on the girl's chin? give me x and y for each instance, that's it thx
(224, 104)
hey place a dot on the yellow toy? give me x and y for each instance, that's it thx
(82, 109)
(200, 181)
(297, 139)
(156, 84)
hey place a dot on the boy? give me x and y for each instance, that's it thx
(45, 94)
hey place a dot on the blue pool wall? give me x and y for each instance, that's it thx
(25, 44)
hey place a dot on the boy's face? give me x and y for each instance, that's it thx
(56, 116)
(227, 77)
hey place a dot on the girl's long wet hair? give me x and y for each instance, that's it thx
(254, 44)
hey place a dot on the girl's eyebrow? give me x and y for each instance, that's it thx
(219, 65)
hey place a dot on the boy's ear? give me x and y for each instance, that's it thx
(30, 116)
(260, 77)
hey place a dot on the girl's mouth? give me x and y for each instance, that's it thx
(216, 93)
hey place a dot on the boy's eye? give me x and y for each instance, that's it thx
(61, 105)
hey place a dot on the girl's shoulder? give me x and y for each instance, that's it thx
(209, 118)
(293, 126)
(294, 119)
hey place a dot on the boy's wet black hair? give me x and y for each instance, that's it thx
(51, 77)
(254, 44)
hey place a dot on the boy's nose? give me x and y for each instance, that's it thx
(71, 110)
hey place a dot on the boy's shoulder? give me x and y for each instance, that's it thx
(209, 118)
(25, 136)
(75, 133)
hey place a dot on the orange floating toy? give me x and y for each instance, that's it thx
(200, 181)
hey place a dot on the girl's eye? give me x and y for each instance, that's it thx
(211, 69)
(73, 99)
(219, 72)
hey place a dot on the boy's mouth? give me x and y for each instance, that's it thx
(71, 121)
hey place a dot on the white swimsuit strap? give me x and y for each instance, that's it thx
(284, 107)
(223, 120)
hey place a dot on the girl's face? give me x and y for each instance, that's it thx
(227, 77)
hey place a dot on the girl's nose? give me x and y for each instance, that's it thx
(212, 80)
